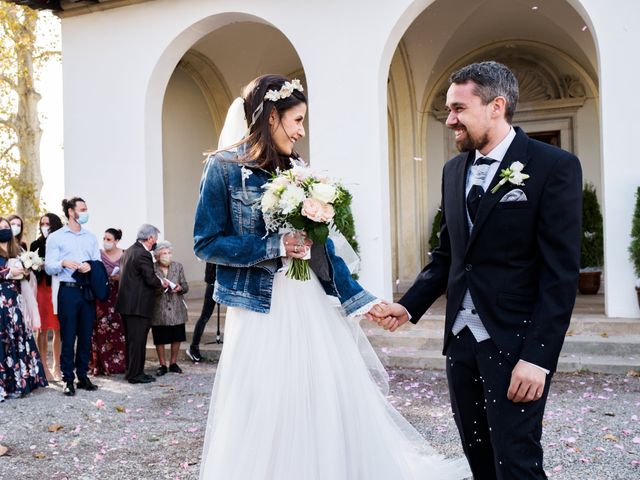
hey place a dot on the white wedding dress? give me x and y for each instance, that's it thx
(294, 398)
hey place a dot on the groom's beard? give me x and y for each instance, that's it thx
(470, 144)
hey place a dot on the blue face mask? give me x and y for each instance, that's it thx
(83, 218)
(5, 235)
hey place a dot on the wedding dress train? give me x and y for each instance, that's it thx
(294, 399)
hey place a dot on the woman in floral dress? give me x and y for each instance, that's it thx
(21, 369)
(107, 343)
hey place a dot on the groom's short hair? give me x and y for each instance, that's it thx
(492, 80)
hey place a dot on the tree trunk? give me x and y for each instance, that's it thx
(27, 125)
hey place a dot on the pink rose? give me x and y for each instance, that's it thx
(327, 212)
(312, 209)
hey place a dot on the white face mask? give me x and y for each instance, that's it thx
(45, 231)
(107, 245)
(16, 229)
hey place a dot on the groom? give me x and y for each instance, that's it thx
(508, 259)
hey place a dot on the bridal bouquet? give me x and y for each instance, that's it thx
(31, 261)
(300, 199)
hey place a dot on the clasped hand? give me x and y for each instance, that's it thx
(389, 316)
(83, 267)
(296, 244)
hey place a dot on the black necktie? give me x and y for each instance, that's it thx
(477, 191)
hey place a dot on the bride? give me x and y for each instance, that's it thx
(299, 392)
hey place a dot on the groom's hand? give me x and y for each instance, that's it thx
(527, 383)
(389, 316)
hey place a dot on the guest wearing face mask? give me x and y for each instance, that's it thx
(69, 249)
(17, 228)
(107, 343)
(21, 370)
(139, 286)
(49, 223)
(170, 313)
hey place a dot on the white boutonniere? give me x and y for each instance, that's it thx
(513, 175)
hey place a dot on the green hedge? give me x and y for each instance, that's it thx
(434, 239)
(592, 252)
(634, 248)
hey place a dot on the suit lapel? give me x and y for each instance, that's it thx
(517, 152)
(459, 196)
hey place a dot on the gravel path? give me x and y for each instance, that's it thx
(123, 431)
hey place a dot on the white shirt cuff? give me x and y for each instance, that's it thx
(537, 366)
(406, 311)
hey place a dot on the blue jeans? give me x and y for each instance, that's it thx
(77, 317)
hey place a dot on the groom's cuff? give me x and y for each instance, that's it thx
(537, 366)
(407, 311)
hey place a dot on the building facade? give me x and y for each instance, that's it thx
(147, 85)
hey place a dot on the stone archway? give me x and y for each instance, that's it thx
(554, 90)
(198, 94)
(559, 99)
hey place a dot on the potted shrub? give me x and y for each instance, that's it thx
(434, 239)
(592, 251)
(634, 248)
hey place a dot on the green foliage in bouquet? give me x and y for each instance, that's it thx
(434, 239)
(344, 221)
(634, 248)
(592, 251)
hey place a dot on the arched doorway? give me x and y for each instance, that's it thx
(552, 53)
(205, 81)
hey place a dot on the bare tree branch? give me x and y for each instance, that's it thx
(46, 55)
(8, 149)
(4, 78)
(8, 122)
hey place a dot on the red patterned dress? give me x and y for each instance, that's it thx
(107, 342)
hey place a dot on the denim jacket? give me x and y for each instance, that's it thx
(229, 231)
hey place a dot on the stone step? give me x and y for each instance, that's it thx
(433, 359)
(628, 345)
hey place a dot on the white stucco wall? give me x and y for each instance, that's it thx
(113, 92)
(615, 26)
(188, 131)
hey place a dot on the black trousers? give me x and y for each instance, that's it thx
(501, 439)
(136, 330)
(207, 310)
(77, 317)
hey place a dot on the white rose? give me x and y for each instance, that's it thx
(324, 192)
(281, 181)
(301, 173)
(27, 263)
(269, 201)
(291, 198)
(516, 178)
(516, 167)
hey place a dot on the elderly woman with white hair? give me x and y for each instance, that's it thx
(170, 312)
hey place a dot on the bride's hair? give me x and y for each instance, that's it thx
(260, 146)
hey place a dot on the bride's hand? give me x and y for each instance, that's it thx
(296, 245)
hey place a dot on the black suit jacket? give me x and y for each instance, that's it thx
(139, 284)
(522, 259)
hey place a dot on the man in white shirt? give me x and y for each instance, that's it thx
(69, 249)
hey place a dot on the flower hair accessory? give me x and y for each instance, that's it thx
(236, 126)
(285, 91)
